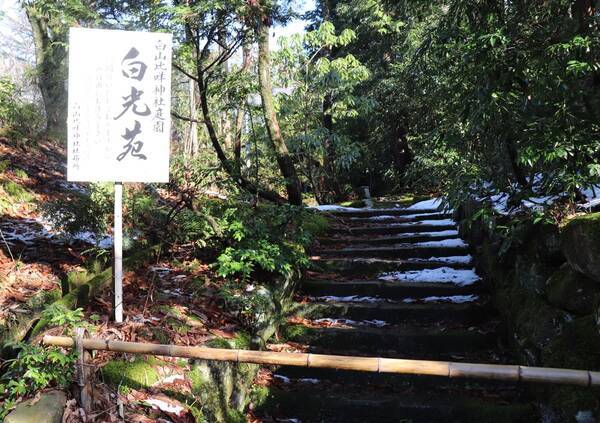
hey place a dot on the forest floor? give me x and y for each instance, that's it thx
(172, 300)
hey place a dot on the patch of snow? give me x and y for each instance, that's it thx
(440, 222)
(375, 322)
(289, 421)
(334, 207)
(105, 242)
(537, 203)
(392, 217)
(458, 277)
(282, 378)
(448, 232)
(450, 260)
(433, 203)
(72, 186)
(500, 203)
(592, 195)
(350, 299)
(457, 299)
(455, 242)
(350, 322)
(165, 406)
(26, 231)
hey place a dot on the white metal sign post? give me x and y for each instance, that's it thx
(119, 116)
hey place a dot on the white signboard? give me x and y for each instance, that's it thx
(119, 106)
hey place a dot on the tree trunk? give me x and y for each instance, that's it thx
(331, 182)
(284, 159)
(51, 70)
(191, 146)
(241, 113)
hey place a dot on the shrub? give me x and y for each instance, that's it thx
(16, 114)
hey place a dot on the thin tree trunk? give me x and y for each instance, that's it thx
(212, 133)
(284, 159)
(241, 113)
(50, 55)
(331, 181)
(191, 148)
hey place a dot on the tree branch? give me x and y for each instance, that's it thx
(187, 119)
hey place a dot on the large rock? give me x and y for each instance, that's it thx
(49, 408)
(580, 242)
(573, 291)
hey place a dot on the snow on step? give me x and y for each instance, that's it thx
(449, 260)
(287, 380)
(350, 322)
(456, 299)
(455, 242)
(391, 217)
(447, 232)
(433, 203)
(440, 222)
(333, 207)
(459, 277)
(350, 299)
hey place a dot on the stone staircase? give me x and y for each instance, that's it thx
(394, 282)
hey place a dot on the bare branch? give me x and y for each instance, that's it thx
(187, 119)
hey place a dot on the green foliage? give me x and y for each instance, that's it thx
(251, 304)
(21, 117)
(267, 238)
(59, 315)
(323, 82)
(17, 192)
(35, 368)
(83, 211)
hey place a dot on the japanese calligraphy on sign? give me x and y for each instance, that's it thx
(119, 106)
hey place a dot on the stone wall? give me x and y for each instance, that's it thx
(545, 281)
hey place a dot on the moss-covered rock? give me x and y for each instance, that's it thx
(48, 408)
(15, 328)
(580, 242)
(536, 325)
(573, 291)
(531, 275)
(577, 347)
(137, 374)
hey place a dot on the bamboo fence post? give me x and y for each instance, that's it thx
(84, 372)
(513, 373)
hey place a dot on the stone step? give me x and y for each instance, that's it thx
(365, 266)
(369, 212)
(356, 381)
(395, 229)
(442, 313)
(407, 238)
(308, 405)
(394, 290)
(405, 251)
(388, 219)
(392, 342)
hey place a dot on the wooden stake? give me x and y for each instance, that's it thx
(513, 373)
(84, 373)
(118, 253)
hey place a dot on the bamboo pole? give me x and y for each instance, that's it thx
(515, 373)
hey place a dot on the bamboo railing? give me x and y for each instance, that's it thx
(513, 373)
